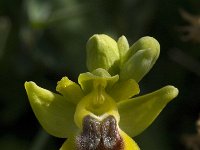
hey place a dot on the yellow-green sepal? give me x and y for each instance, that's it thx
(70, 90)
(97, 77)
(123, 90)
(138, 113)
(102, 52)
(54, 112)
(139, 59)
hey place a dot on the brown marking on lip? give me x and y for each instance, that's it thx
(99, 135)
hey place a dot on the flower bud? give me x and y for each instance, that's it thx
(140, 59)
(123, 47)
(102, 52)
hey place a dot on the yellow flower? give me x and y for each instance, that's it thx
(102, 112)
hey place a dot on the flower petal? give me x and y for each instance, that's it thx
(138, 113)
(54, 112)
(70, 90)
(129, 143)
(124, 90)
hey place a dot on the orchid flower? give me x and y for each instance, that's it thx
(102, 111)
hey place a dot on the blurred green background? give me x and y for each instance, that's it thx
(44, 40)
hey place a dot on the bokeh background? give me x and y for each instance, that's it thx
(44, 40)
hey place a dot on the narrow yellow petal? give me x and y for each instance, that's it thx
(69, 89)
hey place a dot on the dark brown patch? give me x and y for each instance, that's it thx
(98, 135)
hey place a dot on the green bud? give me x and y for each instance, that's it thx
(123, 47)
(140, 59)
(102, 52)
(144, 43)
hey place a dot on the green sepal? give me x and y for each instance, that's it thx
(123, 47)
(70, 90)
(53, 111)
(138, 113)
(102, 52)
(124, 90)
(97, 77)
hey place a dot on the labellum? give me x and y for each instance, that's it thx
(99, 135)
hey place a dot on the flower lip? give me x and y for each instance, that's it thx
(99, 135)
(98, 105)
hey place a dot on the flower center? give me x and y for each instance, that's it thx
(99, 135)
